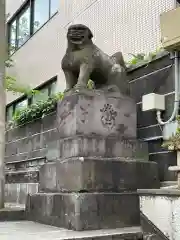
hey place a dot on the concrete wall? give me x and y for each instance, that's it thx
(129, 26)
(163, 210)
(26, 151)
(30, 141)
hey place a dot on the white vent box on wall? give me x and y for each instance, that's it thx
(170, 29)
(153, 101)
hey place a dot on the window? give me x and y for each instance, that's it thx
(21, 104)
(41, 13)
(45, 91)
(42, 96)
(54, 5)
(17, 105)
(32, 16)
(12, 37)
(23, 28)
(9, 113)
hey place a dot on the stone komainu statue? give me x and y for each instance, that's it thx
(84, 60)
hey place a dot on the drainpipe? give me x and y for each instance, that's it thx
(176, 98)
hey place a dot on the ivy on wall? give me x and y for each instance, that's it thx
(35, 111)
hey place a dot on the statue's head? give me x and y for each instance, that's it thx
(79, 34)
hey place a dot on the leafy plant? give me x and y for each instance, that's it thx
(141, 58)
(9, 63)
(13, 86)
(174, 142)
(37, 110)
(90, 84)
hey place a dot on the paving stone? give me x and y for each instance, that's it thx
(29, 230)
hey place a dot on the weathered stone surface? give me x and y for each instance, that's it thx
(48, 177)
(98, 175)
(17, 192)
(80, 114)
(82, 211)
(27, 156)
(22, 176)
(94, 145)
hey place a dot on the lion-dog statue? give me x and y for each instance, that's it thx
(84, 61)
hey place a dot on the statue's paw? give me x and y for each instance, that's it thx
(67, 90)
(78, 87)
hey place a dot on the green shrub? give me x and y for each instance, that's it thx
(174, 142)
(37, 110)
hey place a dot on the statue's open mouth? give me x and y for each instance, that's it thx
(75, 36)
(76, 39)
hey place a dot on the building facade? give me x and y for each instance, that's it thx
(37, 35)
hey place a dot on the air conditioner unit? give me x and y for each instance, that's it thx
(170, 29)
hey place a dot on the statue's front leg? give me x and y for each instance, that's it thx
(71, 80)
(84, 76)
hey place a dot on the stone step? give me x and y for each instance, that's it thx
(12, 212)
(84, 211)
(96, 174)
(29, 230)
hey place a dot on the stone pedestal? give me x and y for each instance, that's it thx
(99, 166)
(98, 175)
(85, 211)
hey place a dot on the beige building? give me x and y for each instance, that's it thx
(37, 35)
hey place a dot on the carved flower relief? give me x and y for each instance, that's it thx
(108, 116)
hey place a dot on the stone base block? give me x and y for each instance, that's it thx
(84, 211)
(116, 116)
(95, 145)
(12, 214)
(96, 174)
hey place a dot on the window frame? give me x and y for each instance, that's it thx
(9, 37)
(48, 84)
(17, 22)
(34, 16)
(16, 16)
